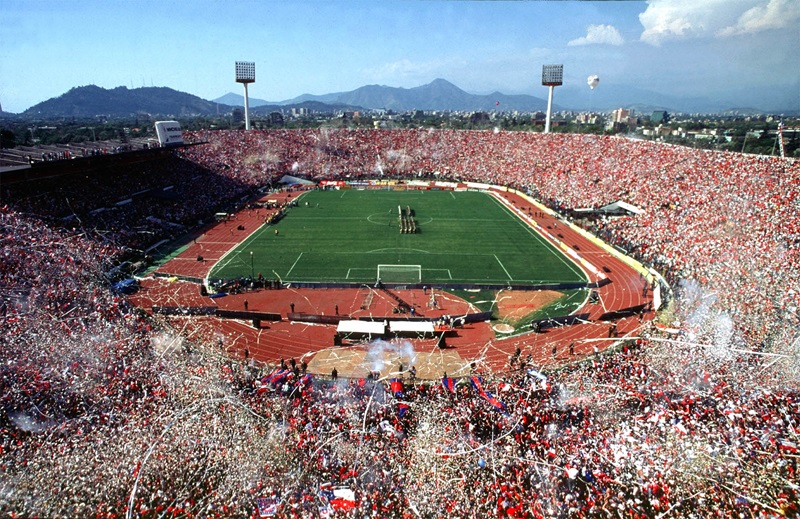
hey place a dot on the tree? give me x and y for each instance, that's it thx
(7, 139)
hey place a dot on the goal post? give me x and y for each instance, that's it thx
(399, 273)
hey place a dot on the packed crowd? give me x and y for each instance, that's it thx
(108, 412)
(50, 156)
(134, 205)
(723, 219)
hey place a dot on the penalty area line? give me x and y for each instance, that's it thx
(293, 264)
(503, 267)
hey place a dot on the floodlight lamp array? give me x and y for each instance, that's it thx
(245, 72)
(552, 75)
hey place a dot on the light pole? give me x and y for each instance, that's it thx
(252, 272)
(246, 73)
(552, 76)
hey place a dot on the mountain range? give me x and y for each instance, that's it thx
(439, 95)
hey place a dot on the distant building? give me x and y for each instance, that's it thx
(479, 118)
(276, 118)
(590, 118)
(621, 115)
(238, 115)
(659, 117)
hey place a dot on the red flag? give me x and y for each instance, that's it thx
(397, 387)
(402, 409)
(449, 384)
(476, 383)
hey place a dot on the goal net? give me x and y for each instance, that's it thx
(400, 273)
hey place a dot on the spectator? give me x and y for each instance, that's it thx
(103, 415)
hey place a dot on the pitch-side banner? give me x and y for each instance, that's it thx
(657, 297)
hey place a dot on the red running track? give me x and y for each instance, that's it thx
(216, 241)
(475, 342)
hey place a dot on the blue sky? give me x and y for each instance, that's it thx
(742, 50)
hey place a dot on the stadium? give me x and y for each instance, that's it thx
(401, 323)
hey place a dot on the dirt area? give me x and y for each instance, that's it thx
(513, 305)
(386, 357)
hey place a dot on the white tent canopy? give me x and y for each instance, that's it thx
(361, 328)
(411, 327)
(372, 329)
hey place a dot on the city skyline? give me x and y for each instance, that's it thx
(739, 52)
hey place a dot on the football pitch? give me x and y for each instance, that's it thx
(354, 236)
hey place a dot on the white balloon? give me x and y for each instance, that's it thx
(592, 81)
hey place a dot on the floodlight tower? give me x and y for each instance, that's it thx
(246, 73)
(552, 76)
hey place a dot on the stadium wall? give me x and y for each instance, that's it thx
(460, 286)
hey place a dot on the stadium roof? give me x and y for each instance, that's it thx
(290, 180)
(619, 207)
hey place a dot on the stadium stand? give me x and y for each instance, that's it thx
(108, 412)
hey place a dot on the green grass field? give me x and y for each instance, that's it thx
(342, 236)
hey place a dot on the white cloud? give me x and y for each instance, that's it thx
(665, 20)
(677, 19)
(776, 14)
(599, 34)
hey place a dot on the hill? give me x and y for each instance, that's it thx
(232, 99)
(91, 100)
(439, 94)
